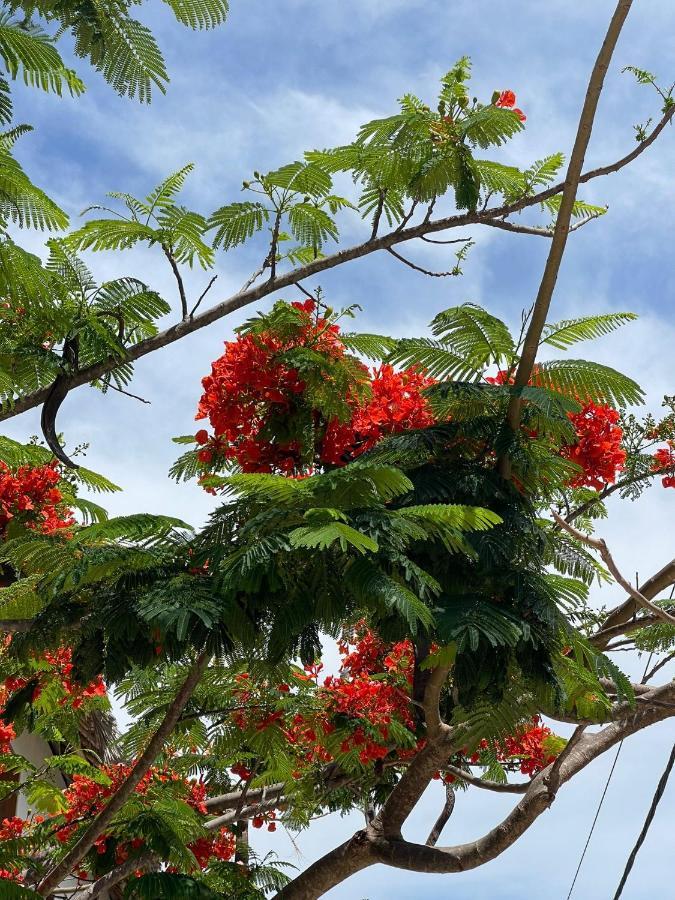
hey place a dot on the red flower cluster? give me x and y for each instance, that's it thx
(11, 875)
(7, 735)
(31, 495)
(249, 387)
(251, 396)
(220, 846)
(530, 746)
(61, 667)
(664, 459)
(598, 448)
(86, 798)
(396, 404)
(507, 100)
(11, 828)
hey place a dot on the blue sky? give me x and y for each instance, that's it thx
(290, 75)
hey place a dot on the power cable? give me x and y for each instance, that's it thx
(597, 813)
(660, 789)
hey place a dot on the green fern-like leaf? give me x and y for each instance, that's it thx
(582, 379)
(200, 13)
(570, 331)
(237, 222)
(475, 334)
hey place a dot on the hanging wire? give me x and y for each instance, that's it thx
(660, 789)
(604, 793)
(597, 813)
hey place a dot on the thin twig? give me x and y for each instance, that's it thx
(419, 268)
(128, 394)
(179, 280)
(657, 668)
(378, 213)
(205, 292)
(453, 241)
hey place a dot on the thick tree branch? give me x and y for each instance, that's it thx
(621, 616)
(404, 797)
(251, 294)
(564, 217)
(371, 845)
(77, 853)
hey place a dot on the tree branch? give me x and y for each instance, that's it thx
(622, 614)
(77, 853)
(102, 885)
(563, 219)
(493, 786)
(443, 818)
(371, 845)
(534, 230)
(599, 545)
(417, 268)
(412, 784)
(251, 294)
(179, 280)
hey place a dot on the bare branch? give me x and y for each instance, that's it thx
(599, 545)
(102, 885)
(378, 213)
(120, 390)
(657, 668)
(623, 613)
(486, 785)
(207, 289)
(453, 241)
(505, 225)
(552, 779)
(412, 784)
(179, 280)
(419, 268)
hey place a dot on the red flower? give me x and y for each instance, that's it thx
(665, 459)
(506, 100)
(598, 448)
(202, 436)
(396, 404)
(30, 495)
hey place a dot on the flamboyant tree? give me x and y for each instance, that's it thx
(429, 503)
